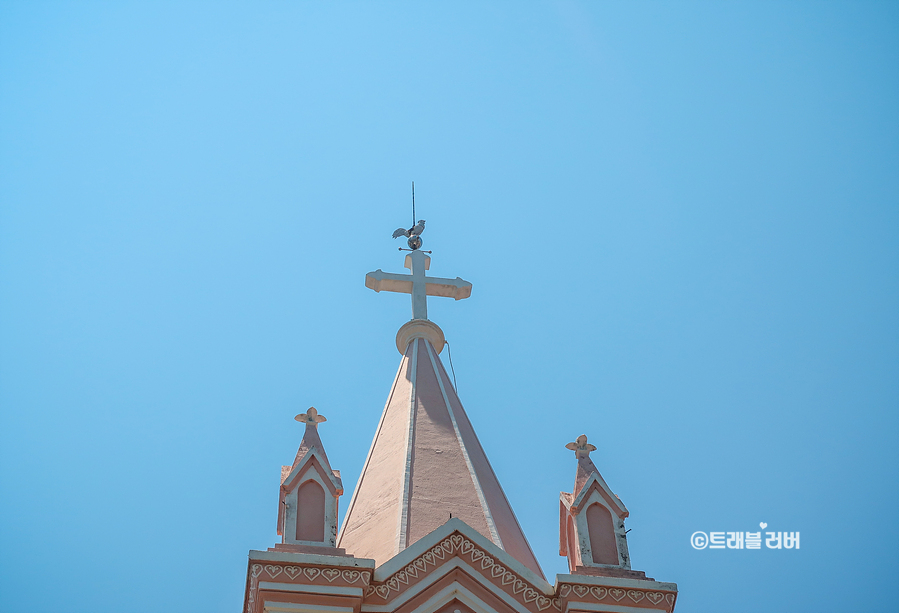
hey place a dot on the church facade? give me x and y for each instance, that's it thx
(428, 528)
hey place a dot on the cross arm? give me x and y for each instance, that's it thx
(381, 281)
(456, 288)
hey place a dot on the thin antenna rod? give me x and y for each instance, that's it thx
(413, 203)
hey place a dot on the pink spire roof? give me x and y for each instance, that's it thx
(426, 465)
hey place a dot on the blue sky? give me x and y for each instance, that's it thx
(681, 221)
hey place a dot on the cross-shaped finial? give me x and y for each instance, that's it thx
(581, 447)
(418, 284)
(311, 418)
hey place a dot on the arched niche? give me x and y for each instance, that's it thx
(310, 512)
(602, 535)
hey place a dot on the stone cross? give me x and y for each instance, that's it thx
(418, 284)
(581, 447)
(311, 418)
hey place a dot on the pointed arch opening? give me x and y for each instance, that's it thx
(311, 512)
(602, 535)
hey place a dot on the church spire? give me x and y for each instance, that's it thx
(428, 527)
(425, 464)
(307, 515)
(591, 518)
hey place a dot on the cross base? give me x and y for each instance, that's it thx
(420, 328)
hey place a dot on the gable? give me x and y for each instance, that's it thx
(598, 485)
(457, 560)
(455, 591)
(311, 461)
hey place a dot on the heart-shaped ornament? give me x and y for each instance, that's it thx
(272, 570)
(763, 525)
(292, 571)
(312, 573)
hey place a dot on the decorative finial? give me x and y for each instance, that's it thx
(581, 447)
(310, 417)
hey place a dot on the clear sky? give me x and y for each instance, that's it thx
(681, 221)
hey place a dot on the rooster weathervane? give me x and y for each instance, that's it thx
(413, 233)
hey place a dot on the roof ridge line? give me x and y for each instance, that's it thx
(406, 500)
(488, 515)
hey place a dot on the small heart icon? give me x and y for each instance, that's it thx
(763, 525)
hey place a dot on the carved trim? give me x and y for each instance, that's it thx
(293, 573)
(311, 574)
(458, 545)
(612, 595)
(255, 571)
(454, 545)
